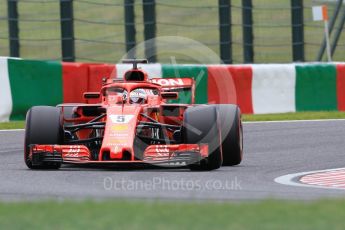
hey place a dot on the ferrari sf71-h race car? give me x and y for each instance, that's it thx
(136, 122)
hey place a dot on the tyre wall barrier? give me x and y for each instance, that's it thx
(257, 89)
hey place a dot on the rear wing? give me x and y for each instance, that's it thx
(177, 85)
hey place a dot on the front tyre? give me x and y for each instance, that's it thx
(201, 125)
(232, 134)
(43, 126)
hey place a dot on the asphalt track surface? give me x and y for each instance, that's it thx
(271, 150)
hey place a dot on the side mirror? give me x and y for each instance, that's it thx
(169, 95)
(92, 95)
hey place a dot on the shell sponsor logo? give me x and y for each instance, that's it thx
(119, 128)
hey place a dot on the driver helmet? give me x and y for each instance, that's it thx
(138, 96)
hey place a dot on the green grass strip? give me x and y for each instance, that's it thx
(295, 116)
(141, 215)
(12, 125)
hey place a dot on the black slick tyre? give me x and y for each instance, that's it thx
(43, 126)
(200, 126)
(232, 134)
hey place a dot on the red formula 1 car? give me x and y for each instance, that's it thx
(135, 123)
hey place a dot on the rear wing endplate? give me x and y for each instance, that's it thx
(176, 84)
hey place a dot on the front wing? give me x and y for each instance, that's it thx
(154, 154)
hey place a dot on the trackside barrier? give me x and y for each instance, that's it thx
(231, 84)
(75, 78)
(32, 83)
(257, 89)
(341, 86)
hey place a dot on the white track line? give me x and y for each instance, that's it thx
(11, 130)
(289, 179)
(292, 121)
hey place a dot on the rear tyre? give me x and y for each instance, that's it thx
(232, 134)
(200, 125)
(43, 126)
